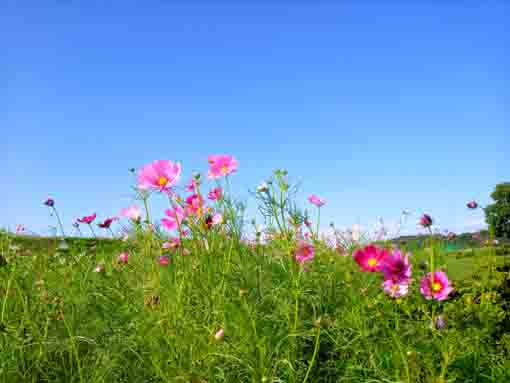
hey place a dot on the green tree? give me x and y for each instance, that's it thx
(497, 214)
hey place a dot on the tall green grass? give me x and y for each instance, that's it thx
(62, 322)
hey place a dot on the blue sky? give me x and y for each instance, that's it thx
(376, 106)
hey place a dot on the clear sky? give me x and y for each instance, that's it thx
(376, 106)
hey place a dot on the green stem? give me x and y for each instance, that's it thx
(92, 230)
(318, 224)
(59, 221)
(146, 206)
(315, 351)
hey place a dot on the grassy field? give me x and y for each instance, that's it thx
(199, 297)
(143, 322)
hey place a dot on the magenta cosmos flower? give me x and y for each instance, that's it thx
(194, 204)
(395, 289)
(472, 205)
(88, 219)
(221, 165)
(426, 220)
(176, 215)
(215, 194)
(313, 199)
(396, 267)
(370, 258)
(107, 223)
(435, 286)
(132, 212)
(159, 175)
(304, 252)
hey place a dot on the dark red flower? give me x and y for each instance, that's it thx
(107, 223)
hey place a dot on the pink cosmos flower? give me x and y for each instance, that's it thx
(172, 244)
(123, 257)
(107, 223)
(88, 219)
(396, 267)
(220, 334)
(177, 214)
(395, 289)
(221, 165)
(164, 260)
(213, 220)
(194, 204)
(304, 252)
(191, 186)
(316, 200)
(435, 286)
(472, 205)
(426, 220)
(217, 219)
(371, 258)
(132, 212)
(215, 194)
(159, 175)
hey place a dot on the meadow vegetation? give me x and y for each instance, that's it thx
(203, 296)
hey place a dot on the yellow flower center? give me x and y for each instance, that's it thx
(162, 181)
(224, 170)
(436, 286)
(372, 262)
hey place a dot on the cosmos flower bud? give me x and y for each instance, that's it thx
(50, 202)
(440, 322)
(220, 334)
(99, 269)
(472, 205)
(426, 220)
(123, 257)
(164, 260)
(451, 236)
(262, 188)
